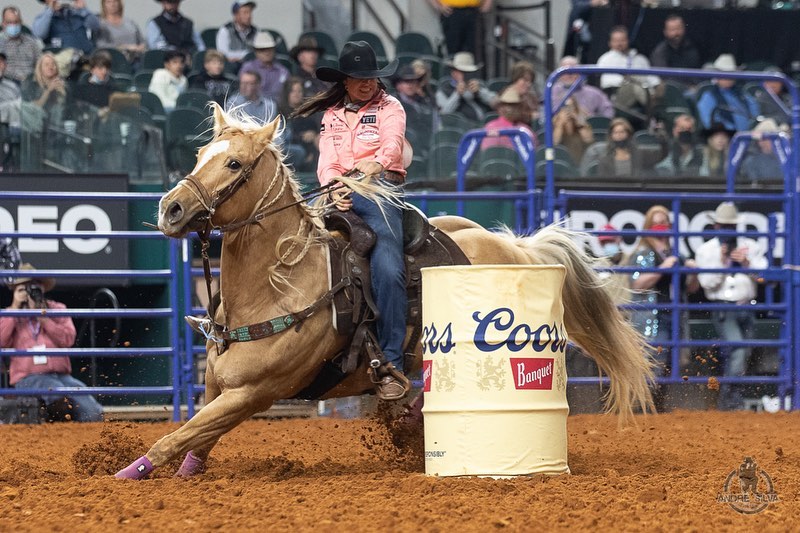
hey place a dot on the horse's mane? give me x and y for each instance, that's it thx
(312, 228)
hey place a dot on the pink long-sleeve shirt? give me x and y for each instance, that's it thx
(22, 333)
(377, 136)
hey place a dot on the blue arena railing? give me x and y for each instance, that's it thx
(173, 314)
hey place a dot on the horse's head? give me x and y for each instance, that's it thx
(224, 169)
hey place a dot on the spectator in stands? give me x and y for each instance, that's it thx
(44, 332)
(235, 38)
(118, 31)
(571, 129)
(578, 35)
(733, 325)
(10, 119)
(773, 100)
(301, 134)
(212, 79)
(459, 19)
(612, 246)
(522, 77)
(464, 93)
(421, 114)
(761, 162)
(684, 157)
(622, 157)
(306, 54)
(594, 101)
(423, 69)
(271, 73)
(47, 90)
(66, 25)
(511, 110)
(676, 50)
(620, 55)
(97, 88)
(725, 102)
(250, 100)
(169, 82)
(21, 49)
(715, 152)
(655, 288)
(172, 31)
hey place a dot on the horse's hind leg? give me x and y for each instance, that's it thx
(226, 412)
(195, 461)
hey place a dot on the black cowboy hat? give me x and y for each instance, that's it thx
(306, 43)
(357, 60)
(407, 73)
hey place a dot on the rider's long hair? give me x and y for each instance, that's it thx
(321, 102)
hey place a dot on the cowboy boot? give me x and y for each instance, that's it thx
(390, 383)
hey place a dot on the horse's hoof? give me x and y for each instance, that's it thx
(136, 470)
(191, 466)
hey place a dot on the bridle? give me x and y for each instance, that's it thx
(211, 202)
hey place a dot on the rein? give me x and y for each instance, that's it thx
(275, 325)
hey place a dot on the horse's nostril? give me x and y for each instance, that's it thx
(174, 212)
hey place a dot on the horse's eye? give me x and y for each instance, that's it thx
(234, 165)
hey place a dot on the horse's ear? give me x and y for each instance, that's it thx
(266, 133)
(219, 118)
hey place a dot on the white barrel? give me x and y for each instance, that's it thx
(494, 371)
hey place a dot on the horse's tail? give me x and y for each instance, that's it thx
(593, 320)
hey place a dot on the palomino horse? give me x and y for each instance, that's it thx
(274, 263)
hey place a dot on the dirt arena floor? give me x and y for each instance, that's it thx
(345, 475)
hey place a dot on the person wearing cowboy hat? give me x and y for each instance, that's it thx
(715, 151)
(235, 38)
(725, 102)
(272, 73)
(464, 93)
(306, 53)
(44, 332)
(172, 31)
(510, 108)
(761, 162)
(732, 325)
(363, 130)
(421, 113)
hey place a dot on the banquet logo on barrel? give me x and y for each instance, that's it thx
(433, 341)
(754, 491)
(532, 373)
(427, 369)
(500, 323)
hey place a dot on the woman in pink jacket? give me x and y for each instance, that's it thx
(363, 129)
(44, 332)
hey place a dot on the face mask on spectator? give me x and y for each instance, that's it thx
(685, 137)
(12, 30)
(611, 249)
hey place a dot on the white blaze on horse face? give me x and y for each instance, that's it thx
(212, 150)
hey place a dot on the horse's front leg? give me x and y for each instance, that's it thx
(225, 412)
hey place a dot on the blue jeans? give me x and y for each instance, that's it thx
(387, 269)
(84, 407)
(733, 326)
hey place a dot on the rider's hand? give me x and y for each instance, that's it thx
(370, 168)
(342, 198)
(20, 300)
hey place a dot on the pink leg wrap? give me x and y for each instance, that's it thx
(191, 466)
(136, 470)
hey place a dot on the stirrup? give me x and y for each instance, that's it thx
(390, 383)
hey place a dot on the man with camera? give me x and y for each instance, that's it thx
(739, 288)
(38, 333)
(64, 24)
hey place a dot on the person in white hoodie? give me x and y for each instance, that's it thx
(169, 82)
(731, 288)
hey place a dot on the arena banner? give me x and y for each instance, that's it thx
(74, 214)
(591, 214)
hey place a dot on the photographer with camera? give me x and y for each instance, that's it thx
(65, 24)
(737, 288)
(42, 333)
